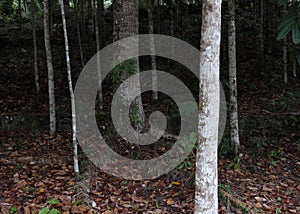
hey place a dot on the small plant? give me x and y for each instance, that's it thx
(273, 154)
(52, 201)
(225, 187)
(236, 164)
(47, 210)
(186, 164)
(157, 205)
(278, 211)
(188, 108)
(188, 142)
(225, 149)
(12, 210)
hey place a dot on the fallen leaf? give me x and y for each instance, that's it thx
(170, 201)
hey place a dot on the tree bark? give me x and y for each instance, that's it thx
(152, 49)
(125, 25)
(233, 110)
(75, 152)
(259, 5)
(284, 54)
(36, 71)
(78, 32)
(100, 95)
(206, 191)
(50, 69)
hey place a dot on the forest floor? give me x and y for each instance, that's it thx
(36, 171)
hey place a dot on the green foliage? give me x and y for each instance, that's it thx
(7, 11)
(294, 58)
(54, 211)
(272, 155)
(225, 187)
(44, 210)
(188, 141)
(52, 201)
(128, 66)
(77, 202)
(235, 164)
(257, 144)
(7, 7)
(12, 210)
(188, 108)
(290, 23)
(186, 164)
(134, 117)
(225, 149)
(47, 210)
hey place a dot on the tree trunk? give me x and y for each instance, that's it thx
(100, 96)
(260, 34)
(75, 153)
(152, 47)
(19, 13)
(50, 70)
(178, 18)
(78, 32)
(36, 71)
(100, 5)
(206, 191)
(89, 20)
(233, 110)
(284, 54)
(51, 16)
(125, 25)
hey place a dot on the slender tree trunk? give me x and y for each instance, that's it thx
(100, 95)
(51, 16)
(206, 191)
(126, 23)
(36, 71)
(284, 55)
(50, 70)
(260, 33)
(100, 5)
(20, 13)
(233, 110)
(89, 19)
(152, 47)
(171, 19)
(78, 33)
(178, 18)
(75, 153)
(159, 22)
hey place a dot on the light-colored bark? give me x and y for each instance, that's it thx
(75, 153)
(50, 70)
(233, 110)
(152, 50)
(206, 191)
(35, 62)
(126, 22)
(100, 95)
